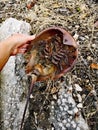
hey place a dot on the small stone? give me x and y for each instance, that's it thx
(75, 110)
(61, 108)
(52, 102)
(59, 102)
(86, 37)
(66, 108)
(70, 88)
(63, 128)
(68, 125)
(82, 38)
(94, 45)
(80, 105)
(73, 124)
(60, 124)
(78, 88)
(76, 36)
(69, 120)
(63, 113)
(70, 112)
(63, 100)
(64, 122)
(96, 23)
(89, 58)
(52, 107)
(31, 96)
(83, 96)
(79, 97)
(78, 128)
(55, 97)
(53, 128)
(6, 122)
(77, 26)
(69, 99)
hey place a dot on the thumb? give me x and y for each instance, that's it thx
(30, 38)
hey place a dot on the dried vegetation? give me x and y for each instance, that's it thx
(79, 18)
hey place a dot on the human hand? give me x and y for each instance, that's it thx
(19, 42)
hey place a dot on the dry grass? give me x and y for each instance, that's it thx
(78, 17)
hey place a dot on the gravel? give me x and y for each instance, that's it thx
(76, 98)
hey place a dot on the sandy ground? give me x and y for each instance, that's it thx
(79, 18)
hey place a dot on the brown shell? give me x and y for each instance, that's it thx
(62, 52)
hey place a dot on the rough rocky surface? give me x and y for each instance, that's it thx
(13, 80)
(79, 18)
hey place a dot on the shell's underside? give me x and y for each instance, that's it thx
(51, 54)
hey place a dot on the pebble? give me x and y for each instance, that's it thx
(75, 110)
(69, 120)
(61, 108)
(64, 121)
(66, 108)
(55, 97)
(78, 88)
(68, 125)
(52, 107)
(70, 88)
(79, 97)
(63, 113)
(89, 58)
(78, 128)
(80, 105)
(6, 122)
(74, 125)
(76, 36)
(53, 128)
(60, 124)
(70, 100)
(59, 101)
(64, 100)
(82, 38)
(70, 112)
(31, 96)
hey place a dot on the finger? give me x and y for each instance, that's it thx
(24, 46)
(30, 38)
(23, 50)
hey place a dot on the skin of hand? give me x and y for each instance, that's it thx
(17, 43)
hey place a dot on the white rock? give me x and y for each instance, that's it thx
(64, 100)
(78, 128)
(64, 121)
(61, 108)
(78, 88)
(60, 124)
(52, 107)
(59, 101)
(89, 58)
(70, 112)
(52, 102)
(94, 45)
(70, 100)
(68, 125)
(31, 96)
(55, 96)
(73, 124)
(76, 36)
(80, 105)
(75, 110)
(70, 88)
(66, 108)
(79, 97)
(10, 85)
